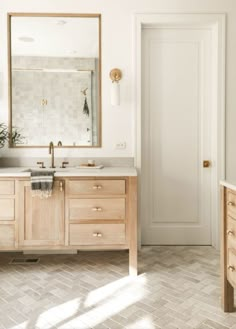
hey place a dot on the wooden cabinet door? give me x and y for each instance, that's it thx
(41, 221)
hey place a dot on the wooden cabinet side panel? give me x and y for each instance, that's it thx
(132, 226)
(227, 296)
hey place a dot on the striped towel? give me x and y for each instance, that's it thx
(42, 183)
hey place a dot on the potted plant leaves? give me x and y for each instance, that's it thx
(14, 137)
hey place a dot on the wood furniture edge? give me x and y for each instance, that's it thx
(227, 295)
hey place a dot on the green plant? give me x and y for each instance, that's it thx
(3, 134)
(14, 137)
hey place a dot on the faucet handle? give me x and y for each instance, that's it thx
(64, 163)
(41, 163)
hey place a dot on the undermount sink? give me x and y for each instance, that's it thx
(58, 169)
(48, 169)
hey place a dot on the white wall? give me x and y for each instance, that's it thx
(118, 51)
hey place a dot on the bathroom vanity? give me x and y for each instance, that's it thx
(90, 209)
(228, 245)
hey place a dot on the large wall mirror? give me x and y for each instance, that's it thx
(55, 79)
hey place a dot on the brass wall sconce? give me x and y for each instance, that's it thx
(115, 76)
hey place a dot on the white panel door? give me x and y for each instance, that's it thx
(176, 136)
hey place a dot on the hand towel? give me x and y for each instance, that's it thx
(42, 183)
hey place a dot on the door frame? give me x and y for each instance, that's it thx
(217, 24)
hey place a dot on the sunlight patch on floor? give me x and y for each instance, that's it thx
(145, 322)
(110, 289)
(97, 307)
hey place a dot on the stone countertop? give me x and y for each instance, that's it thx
(227, 184)
(70, 171)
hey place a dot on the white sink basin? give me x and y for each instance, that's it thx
(48, 169)
(64, 170)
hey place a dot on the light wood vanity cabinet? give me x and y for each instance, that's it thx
(8, 238)
(228, 247)
(41, 221)
(98, 215)
(94, 213)
(102, 214)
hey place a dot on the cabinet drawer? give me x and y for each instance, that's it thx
(232, 266)
(231, 204)
(96, 234)
(7, 209)
(96, 209)
(7, 187)
(96, 187)
(7, 236)
(231, 232)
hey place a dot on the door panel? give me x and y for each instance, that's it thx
(176, 101)
(41, 220)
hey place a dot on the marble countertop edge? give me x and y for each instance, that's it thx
(70, 171)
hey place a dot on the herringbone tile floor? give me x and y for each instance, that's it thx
(178, 287)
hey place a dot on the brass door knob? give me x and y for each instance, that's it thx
(206, 163)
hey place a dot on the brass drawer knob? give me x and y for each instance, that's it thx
(97, 187)
(96, 209)
(230, 232)
(97, 235)
(230, 203)
(61, 186)
(231, 268)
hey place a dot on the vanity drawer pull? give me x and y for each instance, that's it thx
(230, 203)
(231, 268)
(97, 187)
(230, 232)
(96, 209)
(97, 235)
(61, 186)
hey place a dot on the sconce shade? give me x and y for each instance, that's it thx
(115, 76)
(115, 93)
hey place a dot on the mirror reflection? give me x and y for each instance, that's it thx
(55, 79)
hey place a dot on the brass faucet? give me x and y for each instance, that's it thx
(51, 151)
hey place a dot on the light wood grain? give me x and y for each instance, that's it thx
(7, 187)
(96, 209)
(66, 220)
(7, 236)
(42, 220)
(231, 233)
(132, 223)
(231, 266)
(231, 203)
(96, 187)
(7, 209)
(83, 234)
(227, 295)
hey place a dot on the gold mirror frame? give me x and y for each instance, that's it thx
(99, 102)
